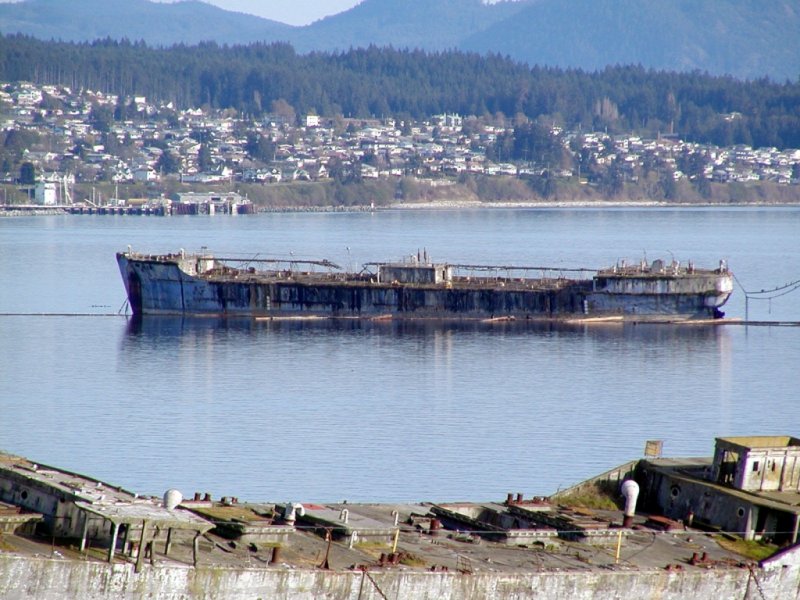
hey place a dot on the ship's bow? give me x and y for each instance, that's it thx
(131, 281)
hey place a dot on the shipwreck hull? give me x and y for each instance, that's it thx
(171, 286)
(690, 305)
(692, 293)
(162, 288)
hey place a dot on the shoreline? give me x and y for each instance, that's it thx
(11, 210)
(478, 204)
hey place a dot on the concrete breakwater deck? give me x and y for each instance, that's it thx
(64, 535)
(49, 579)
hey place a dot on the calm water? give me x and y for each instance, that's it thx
(383, 411)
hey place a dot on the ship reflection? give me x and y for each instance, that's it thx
(164, 328)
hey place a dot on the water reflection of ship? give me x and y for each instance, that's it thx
(165, 327)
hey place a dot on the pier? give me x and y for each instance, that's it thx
(185, 204)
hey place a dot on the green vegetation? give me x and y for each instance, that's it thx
(321, 194)
(751, 549)
(598, 495)
(383, 82)
(412, 560)
(229, 513)
(738, 37)
(382, 193)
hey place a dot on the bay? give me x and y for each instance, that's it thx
(384, 411)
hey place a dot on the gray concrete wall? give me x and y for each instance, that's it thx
(52, 579)
(675, 496)
(771, 469)
(158, 288)
(61, 517)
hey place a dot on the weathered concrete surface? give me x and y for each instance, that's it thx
(53, 579)
(186, 284)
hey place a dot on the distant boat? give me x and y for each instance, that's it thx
(202, 284)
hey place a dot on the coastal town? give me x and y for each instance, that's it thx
(56, 139)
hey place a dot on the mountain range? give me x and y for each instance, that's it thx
(742, 38)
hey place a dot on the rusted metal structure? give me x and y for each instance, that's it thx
(202, 284)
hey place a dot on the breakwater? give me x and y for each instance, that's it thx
(55, 579)
(68, 535)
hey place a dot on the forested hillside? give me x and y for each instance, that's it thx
(743, 38)
(386, 82)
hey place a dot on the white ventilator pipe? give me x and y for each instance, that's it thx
(291, 510)
(172, 498)
(630, 491)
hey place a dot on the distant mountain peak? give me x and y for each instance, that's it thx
(188, 21)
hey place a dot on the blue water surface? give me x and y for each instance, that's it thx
(384, 411)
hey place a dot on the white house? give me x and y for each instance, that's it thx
(145, 174)
(45, 193)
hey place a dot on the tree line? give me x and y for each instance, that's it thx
(413, 84)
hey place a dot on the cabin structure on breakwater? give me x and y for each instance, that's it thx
(751, 486)
(67, 535)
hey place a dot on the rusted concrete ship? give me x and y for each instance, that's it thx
(417, 288)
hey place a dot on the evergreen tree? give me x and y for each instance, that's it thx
(375, 82)
(260, 148)
(204, 158)
(27, 174)
(168, 163)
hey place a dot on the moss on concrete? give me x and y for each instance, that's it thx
(599, 496)
(751, 549)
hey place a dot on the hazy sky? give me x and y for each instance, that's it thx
(294, 12)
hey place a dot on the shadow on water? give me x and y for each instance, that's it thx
(165, 327)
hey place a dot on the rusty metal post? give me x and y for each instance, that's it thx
(627, 521)
(434, 527)
(326, 562)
